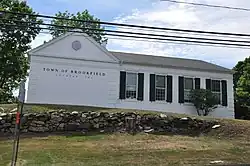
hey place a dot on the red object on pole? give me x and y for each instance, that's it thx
(17, 117)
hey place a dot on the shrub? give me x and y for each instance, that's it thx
(204, 101)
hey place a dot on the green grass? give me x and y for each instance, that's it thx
(231, 128)
(229, 143)
(70, 108)
(125, 150)
(45, 108)
(8, 107)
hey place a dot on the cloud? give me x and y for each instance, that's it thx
(165, 14)
(40, 39)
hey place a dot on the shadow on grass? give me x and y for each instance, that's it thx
(89, 135)
(94, 135)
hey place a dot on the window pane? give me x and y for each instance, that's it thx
(218, 97)
(130, 88)
(188, 83)
(131, 78)
(130, 94)
(160, 81)
(160, 94)
(187, 95)
(131, 85)
(216, 85)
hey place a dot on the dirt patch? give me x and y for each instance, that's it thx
(20, 162)
(153, 142)
(85, 144)
(231, 129)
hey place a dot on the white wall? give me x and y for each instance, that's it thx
(62, 48)
(221, 111)
(47, 87)
(51, 87)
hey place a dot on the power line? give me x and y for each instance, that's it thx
(130, 25)
(208, 5)
(166, 32)
(143, 40)
(141, 37)
(164, 42)
(162, 31)
(135, 33)
(181, 33)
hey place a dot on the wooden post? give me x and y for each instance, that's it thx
(130, 125)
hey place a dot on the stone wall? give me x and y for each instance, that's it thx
(105, 122)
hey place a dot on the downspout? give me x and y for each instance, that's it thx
(120, 62)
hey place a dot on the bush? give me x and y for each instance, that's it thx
(204, 101)
(6, 97)
(241, 112)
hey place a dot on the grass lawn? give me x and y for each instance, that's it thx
(125, 150)
(70, 108)
(229, 143)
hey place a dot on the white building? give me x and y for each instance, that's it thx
(73, 69)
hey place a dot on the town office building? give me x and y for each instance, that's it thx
(73, 69)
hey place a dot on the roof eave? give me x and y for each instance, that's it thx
(175, 67)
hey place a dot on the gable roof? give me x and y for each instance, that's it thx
(171, 62)
(46, 44)
(146, 60)
(54, 40)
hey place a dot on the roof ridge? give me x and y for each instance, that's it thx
(155, 60)
(131, 53)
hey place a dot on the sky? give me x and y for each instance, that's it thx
(161, 14)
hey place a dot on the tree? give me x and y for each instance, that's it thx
(16, 36)
(241, 80)
(57, 29)
(204, 101)
(243, 87)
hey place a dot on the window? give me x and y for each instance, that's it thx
(216, 89)
(188, 86)
(160, 87)
(131, 85)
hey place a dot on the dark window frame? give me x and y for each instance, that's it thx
(136, 86)
(217, 92)
(186, 90)
(161, 88)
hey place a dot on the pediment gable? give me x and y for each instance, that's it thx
(74, 46)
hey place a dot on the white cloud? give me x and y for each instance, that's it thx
(165, 14)
(40, 39)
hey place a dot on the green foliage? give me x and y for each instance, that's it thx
(15, 39)
(242, 82)
(98, 34)
(6, 97)
(204, 101)
(242, 112)
(243, 87)
(239, 69)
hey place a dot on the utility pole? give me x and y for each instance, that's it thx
(21, 99)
